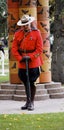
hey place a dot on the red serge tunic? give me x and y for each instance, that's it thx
(31, 42)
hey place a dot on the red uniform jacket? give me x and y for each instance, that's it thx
(32, 43)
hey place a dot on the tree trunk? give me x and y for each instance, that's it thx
(58, 46)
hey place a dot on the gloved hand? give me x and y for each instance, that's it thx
(25, 58)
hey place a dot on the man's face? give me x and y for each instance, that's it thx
(26, 27)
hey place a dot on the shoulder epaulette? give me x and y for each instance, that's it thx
(34, 29)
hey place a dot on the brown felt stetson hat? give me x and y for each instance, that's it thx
(26, 19)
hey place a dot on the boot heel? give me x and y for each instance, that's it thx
(30, 106)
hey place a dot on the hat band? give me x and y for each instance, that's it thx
(25, 21)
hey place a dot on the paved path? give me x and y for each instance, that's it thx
(45, 106)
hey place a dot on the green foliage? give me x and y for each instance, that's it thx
(55, 9)
(51, 14)
(52, 1)
(62, 0)
(3, 17)
(3, 10)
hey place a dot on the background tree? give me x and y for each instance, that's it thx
(3, 18)
(51, 14)
(58, 46)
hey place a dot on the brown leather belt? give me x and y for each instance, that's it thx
(25, 51)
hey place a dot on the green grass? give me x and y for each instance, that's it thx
(4, 78)
(32, 122)
(6, 66)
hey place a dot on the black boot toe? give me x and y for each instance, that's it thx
(24, 107)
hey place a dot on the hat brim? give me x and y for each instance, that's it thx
(19, 23)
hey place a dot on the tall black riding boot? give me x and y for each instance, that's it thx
(27, 101)
(33, 91)
(30, 102)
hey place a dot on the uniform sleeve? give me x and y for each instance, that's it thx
(15, 49)
(39, 47)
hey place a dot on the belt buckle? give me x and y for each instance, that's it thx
(24, 51)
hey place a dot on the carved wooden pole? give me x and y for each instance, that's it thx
(43, 25)
(27, 7)
(13, 16)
